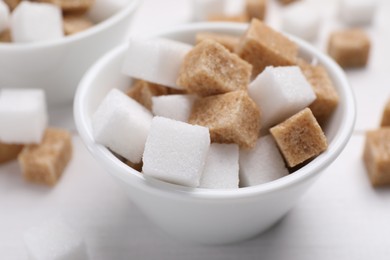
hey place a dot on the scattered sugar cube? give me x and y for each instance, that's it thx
(176, 151)
(23, 115)
(349, 48)
(209, 69)
(54, 240)
(300, 138)
(12, 3)
(239, 18)
(9, 152)
(203, 9)
(143, 91)
(280, 92)
(231, 118)
(302, 20)
(376, 156)
(5, 36)
(262, 46)
(155, 60)
(221, 168)
(177, 107)
(327, 97)
(228, 41)
(34, 22)
(45, 162)
(4, 16)
(256, 9)
(122, 124)
(76, 23)
(357, 12)
(76, 6)
(262, 164)
(386, 115)
(103, 9)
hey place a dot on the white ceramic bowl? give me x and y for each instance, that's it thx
(202, 215)
(57, 66)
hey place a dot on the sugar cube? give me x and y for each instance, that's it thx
(12, 3)
(204, 8)
(232, 118)
(256, 9)
(23, 115)
(76, 23)
(357, 12)
(386, 115)
(228, 41)
(155, 60)
(34, 22)
(262, 164)
(262, 46)
(9, 152)
(300, 137)
(280, 92)
(349, 48)
(239, 18)
(122, 124)
(4, 16)
(221, 168)
(376, 156)
(177, 107)
(143, 91)
(103, 9)
(75, 6)
(45, 162)
(302, 19)
(176, 151)
(54, 240)
(5, 36)
(209, 69)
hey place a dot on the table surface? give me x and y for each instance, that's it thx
(340, 217)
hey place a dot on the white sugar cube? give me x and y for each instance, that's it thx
(204, 8)
(301, 19)
(177, 107)
(357, 12)
(23, 115)
(155, 60)
(34, 22)
(221, 169)
(54, 240)
(280, 92)
(103, 9)
(122, 124)
(262, 164)
(176, 152)
(4, 16)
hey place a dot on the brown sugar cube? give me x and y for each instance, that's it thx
(256, 9)
(76, 23)
(349, 48)
(135, 166)
(45, 162)
(231, 118)
(327, 97)
(286, 2)
(299, 138)
(5, 36)
(228, 41)
(210, 69)
(175, 91)
(77, 6)
(262, 46)
(241, 18)
(143, 91)
(386, 115)
(9, 152)
(376, 156)
(12, 3)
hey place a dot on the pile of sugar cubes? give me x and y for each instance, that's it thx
(43, 20)
(43, 152)
(226, 113)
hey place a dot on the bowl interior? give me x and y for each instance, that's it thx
(106, 74)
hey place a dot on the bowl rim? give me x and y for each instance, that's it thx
(101, 26)
(117, 168)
